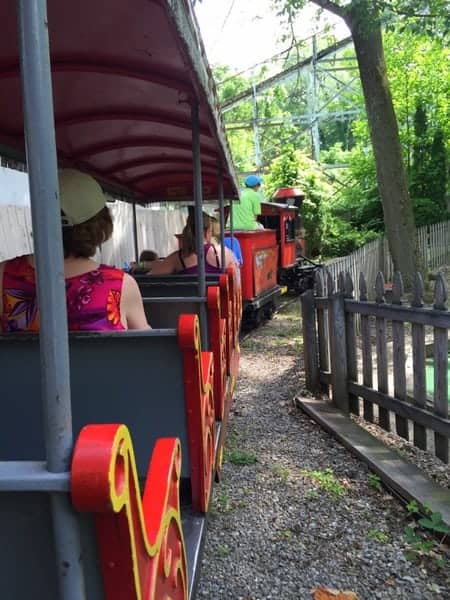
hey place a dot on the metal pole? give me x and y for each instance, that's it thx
(135, 234)
(46, 220)
(222, 221)
(231, 218)
(255, 129)
(198, 198)
(315, 137)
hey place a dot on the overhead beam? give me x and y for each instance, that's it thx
(286, 74)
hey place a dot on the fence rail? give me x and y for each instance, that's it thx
(385, 374)
(433, 243)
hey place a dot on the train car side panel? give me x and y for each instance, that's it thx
(141, 545)
(264, 269)
(257, 249)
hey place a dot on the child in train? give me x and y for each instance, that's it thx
(185, 261)
(146, 258)
(231, 243)
(99, 297)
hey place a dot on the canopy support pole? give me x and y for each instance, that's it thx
(198, 198)
(135, 234)
(231, 220)
(46, 220)
(222, 221)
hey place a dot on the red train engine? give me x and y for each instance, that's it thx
(274, 258)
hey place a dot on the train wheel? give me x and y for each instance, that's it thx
(258, 317)
(270, 311)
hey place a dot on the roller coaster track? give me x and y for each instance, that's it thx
(286, 74)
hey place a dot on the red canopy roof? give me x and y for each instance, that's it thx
(125, 74)
(289, 192)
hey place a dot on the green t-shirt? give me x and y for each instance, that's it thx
(246, 211)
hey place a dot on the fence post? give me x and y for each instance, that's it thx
(350, 340)
(322, 331)
(310, 341)
(338, 349)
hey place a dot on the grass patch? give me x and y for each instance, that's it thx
(327, 481)
(378, 536)
(222, 502)
(240, 457)
(235, 455)
(223, 550)
(375, 482)
(280, 472)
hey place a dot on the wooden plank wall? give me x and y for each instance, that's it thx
(15, 231)
(156, 229)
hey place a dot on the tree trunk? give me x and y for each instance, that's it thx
(398, 214)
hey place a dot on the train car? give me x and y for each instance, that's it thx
(126, 95)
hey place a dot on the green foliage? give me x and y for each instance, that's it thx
(412, 507)
(326, 481)
(438, 170)
(378, 536)
(419, 77)
(222, 502)
(240, 139)
(223, 550)
(280, 472)
(427, 212)
(283, 172)
(241, 457)
(293, 168)
(375, 482)
(343, 210)
(434, 523)
(418, 545)
(343, 239)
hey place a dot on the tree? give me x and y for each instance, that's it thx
(429, 170)
(420, 84)
(294, 168)
(420, 153)
(363, 19)
(438, 172)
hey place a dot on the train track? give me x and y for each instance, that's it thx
(286, 301)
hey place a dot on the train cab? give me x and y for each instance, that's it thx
(282, 218)
(293, 197)
(284, 214)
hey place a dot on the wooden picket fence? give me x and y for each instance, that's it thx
(433, 244)
(391, 350)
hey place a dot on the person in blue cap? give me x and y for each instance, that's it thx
(249, 207)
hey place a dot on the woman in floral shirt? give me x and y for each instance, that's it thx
(99, 297)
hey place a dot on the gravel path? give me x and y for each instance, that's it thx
(295, 510)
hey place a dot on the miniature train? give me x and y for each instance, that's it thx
(273, 258)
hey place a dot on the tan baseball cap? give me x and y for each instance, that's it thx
(81, 197)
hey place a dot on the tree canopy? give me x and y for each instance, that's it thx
(350, 211)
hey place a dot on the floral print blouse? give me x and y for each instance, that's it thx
(93, 298)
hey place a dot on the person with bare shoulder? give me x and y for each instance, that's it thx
(185, 259)
(144, 265)
(99, 297)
